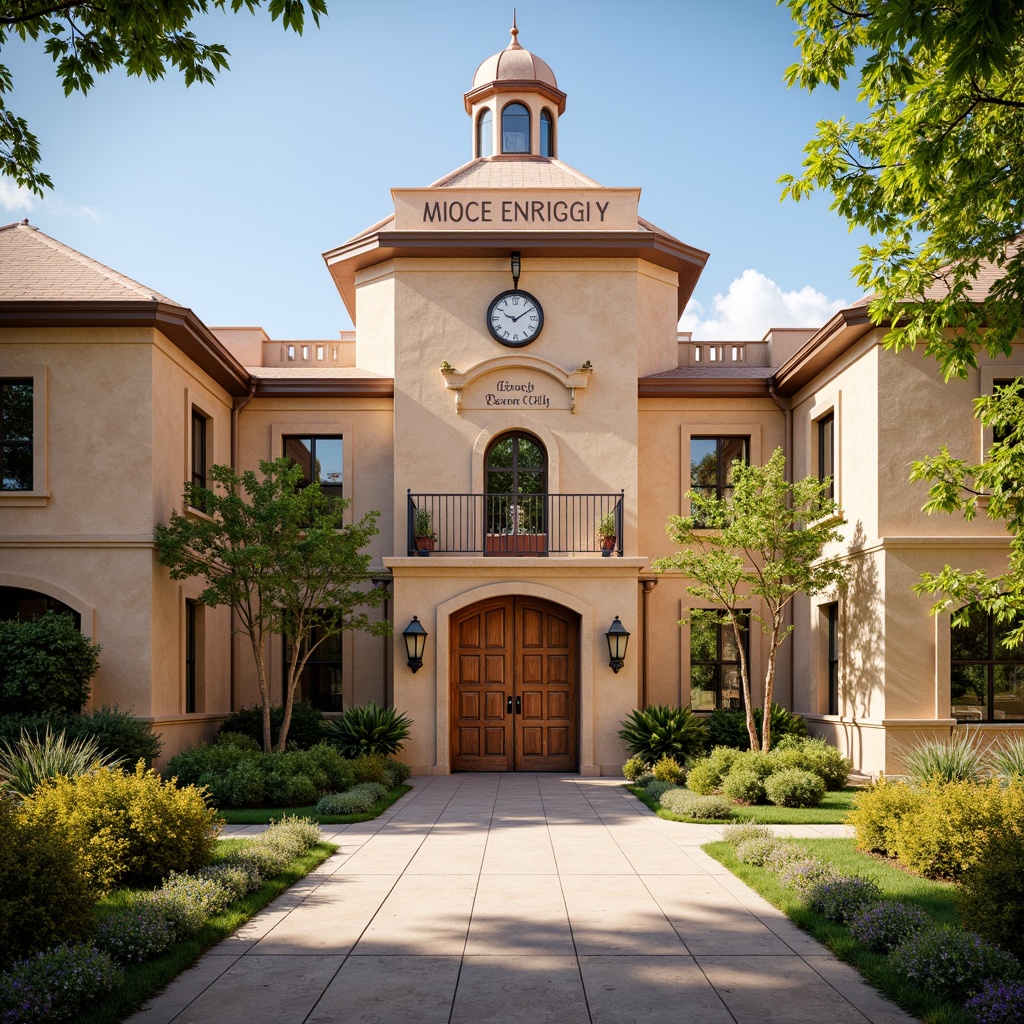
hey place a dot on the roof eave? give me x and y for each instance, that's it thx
(829, 342)
(180, 325)
(704, 387)
(305, 387)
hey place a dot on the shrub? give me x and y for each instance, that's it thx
(237, 880)
(784, 855)
(815, 755)
(136, 932)
(744, 830)
(803, 873)
(128, 828)
(217, 758)
(657, 787)
(757, 849)
(761, 765)
(369, 729)
(634, 767)
(1008, 759)
(242, 785)
(284, 787)
(840, 899)
(56, 985)
(954, 962)
(949, 831)
(794, 788)
(352, 802)
(307, 728)
(375, 768)
(27, 763)
(339, 772)
(706, 774)
(744, 785)
(668, 769)
(45, 664)
(877, 812)
(727, 727)
(661, 730)
(293, 834)
(998, 1002)
(688, 804)
(644, 780)
(990, 896)
(886, 925)
(959, 759)
(118, 733)
(44, 895)
(400, 771)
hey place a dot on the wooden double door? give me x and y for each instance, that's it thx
(514, 686)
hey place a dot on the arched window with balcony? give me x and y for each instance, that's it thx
(515, 129)
(516, 483)
(485, 134)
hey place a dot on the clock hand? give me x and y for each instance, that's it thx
(515, 318)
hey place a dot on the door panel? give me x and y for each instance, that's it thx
(514, 684)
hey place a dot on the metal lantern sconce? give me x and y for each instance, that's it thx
(415, 643)
(516, 266)
(618, 638)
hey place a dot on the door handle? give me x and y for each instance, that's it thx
(519, 705)
(508, 708)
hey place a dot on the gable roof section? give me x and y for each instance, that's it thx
(45, 283)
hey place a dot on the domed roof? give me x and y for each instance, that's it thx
(515, 64)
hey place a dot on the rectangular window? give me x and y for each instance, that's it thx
(826, 452)
(833, 658)
(715, 679)
(986, 679)
(711, 464)
(321, 458)
(191, 614)
(1001, 433)
(198, 449)
(320, 680)
(16, 435)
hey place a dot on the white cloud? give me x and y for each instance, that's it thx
(15, 197)
(752, 306)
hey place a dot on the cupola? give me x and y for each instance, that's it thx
(515, 103)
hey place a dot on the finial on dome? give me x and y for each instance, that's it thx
(514, 44)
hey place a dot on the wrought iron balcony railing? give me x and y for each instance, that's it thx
(515, 524)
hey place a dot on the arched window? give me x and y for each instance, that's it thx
(484, 134)
(25, 605)
(516, 483)
(515, 129)
(547, 133)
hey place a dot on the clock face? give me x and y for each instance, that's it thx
(515, 318)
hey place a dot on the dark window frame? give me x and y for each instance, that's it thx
(991, 631)
(1001, 382)
(11, 449)
(722, 488)
(515, 510)
(332, 490)
(832, 611)
(485, 133)
(529, 126)
(827, 452)
(313, 685)
(191, 649)
(547, 133)
(720, 663)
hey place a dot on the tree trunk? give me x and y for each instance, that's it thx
(745, 680)
(261, 675)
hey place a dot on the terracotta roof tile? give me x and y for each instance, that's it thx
(520, 172)
(712, 371)
(35, 267)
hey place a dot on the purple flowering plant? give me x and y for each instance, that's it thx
(998, 1002)
(884, 926)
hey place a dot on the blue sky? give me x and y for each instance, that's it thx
(224, 197)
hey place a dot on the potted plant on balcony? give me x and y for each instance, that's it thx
(423, 531)
(606, 532)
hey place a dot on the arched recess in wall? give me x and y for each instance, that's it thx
(586, 655)
(35, 596)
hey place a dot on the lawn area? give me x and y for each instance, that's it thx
(832, 810)
(145, 979)
(934, 898)
(264, 815)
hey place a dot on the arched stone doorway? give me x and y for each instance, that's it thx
(514, 678)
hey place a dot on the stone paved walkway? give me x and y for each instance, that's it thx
(520, 899)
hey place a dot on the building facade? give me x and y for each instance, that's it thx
(519, 405)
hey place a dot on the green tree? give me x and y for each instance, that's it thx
(935, 173)
(763, 541)
(281, 556)
(145, 39)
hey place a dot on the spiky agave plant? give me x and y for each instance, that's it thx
(30, 761)
(1008, 758)
(370, 729)
(959, 759)
(660, 730)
